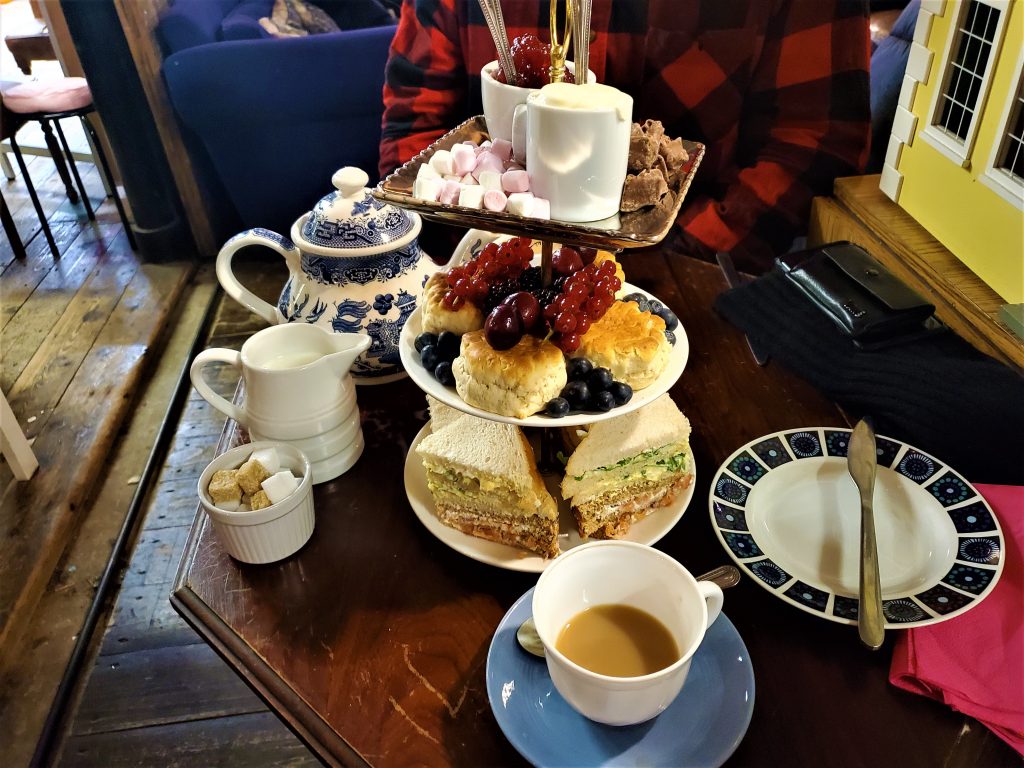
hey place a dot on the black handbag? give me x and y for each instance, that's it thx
(864, 299)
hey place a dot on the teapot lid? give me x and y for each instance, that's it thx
(351, 218)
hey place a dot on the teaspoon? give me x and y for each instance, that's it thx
(724, 576)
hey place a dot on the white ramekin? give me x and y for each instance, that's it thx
(272, 533)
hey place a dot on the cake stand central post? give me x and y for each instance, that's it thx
(546, 249)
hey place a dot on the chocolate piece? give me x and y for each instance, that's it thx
(673, 153)
(654, 129)
(643, 149)
(642, 189)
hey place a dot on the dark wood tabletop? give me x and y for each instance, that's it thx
(371, 641)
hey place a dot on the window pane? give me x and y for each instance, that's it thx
(970, 61)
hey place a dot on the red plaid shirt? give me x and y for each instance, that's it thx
(776, 89)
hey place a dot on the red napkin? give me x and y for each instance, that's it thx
(975, 662)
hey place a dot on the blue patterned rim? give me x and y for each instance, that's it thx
(978, 558)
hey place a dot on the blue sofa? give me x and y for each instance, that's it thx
(888, 63)
(267, 121)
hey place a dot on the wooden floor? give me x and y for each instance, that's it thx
(156, 693)
(77, 337)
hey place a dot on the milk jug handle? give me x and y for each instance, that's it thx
(209, 357)
(235, 289)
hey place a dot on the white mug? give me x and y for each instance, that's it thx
(500, 100)
(297, 382)
(622, 572)
(577, 148)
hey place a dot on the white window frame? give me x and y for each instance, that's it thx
(999, 180)
(933, 134)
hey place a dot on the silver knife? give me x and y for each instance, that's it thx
(862, 464)
(733, 279)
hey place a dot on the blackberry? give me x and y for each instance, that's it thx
(531, 279)
(497, 293)
(544, 296)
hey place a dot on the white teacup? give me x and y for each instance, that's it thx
(577, 148)
(625, 573)
(500, 100)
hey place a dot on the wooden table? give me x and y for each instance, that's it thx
(371, 642)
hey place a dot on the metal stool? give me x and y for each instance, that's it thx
(62, 158)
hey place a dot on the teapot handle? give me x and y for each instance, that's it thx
(209, 357)
(235, 289)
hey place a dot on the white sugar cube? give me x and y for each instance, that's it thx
(280, 485)
(230, 505)
(471, 196)
(490, 180)
(520, 203)
(243, 508)
(427, 188)
(441, 161)
(268, 459)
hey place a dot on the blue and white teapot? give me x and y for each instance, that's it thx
(355, 267)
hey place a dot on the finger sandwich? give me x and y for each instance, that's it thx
(627, 467)
(483, 478)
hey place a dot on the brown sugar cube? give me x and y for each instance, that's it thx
(654, 129)
(643, 149)
(642, 189)
(673, 153)
(259, 500)
(224, 488)
(250, 475)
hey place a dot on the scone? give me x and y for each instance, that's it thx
(515, 382)
(436, 318)
(629, 343)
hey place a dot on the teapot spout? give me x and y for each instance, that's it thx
(347, 347)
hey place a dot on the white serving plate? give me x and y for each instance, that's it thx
(449, 396)
(647, 531)
(787, 511)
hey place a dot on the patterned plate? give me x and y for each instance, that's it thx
(786, 509)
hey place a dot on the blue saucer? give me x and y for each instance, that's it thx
(702, 727)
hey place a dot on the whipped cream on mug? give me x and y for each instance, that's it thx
(588, 96)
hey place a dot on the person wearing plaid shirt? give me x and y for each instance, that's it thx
(776, 89)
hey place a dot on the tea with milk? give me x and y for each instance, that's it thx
(617, 640)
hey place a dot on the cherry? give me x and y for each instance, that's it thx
(527, 307)
(566, 261)
(503, 329)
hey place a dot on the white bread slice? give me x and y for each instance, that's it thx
(441, 415)
(483, 449)
(657, 424)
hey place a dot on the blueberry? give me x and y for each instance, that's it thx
(641, 301)
(448, 344)
(579, 368)
(443, 373)
(557, 407)
(424, 339)
(671, 321)
(599, 379)
(671, 337)
(655, 307)
(602, 401)
(429, 358)
(621, 391)
(577, 393)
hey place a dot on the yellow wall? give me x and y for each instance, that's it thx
(980, 227)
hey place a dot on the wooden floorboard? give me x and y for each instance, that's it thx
(241, 741)
(70, 384)
(156, 694)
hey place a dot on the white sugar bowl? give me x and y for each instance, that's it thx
(272, 533)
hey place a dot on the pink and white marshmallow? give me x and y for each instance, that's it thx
(495, 200)
(515, 181)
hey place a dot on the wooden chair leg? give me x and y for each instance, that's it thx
(105, 169)
(11, 229)
(13, 444)
(58, 160)
(74, 170)
(35, 199)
